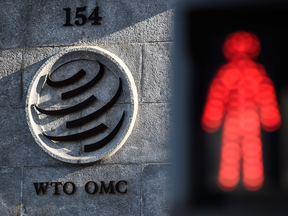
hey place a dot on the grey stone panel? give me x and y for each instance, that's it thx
(131, 55)
(157, 72)
(37, 23)
(32, 61)
(10, 191)
(10, 77)
(40, 23)
(82, 203)
(12, 23)
(17, 145)
(126, 21)
(149, 140)
(156, 190)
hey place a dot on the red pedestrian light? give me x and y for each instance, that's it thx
(242, 98)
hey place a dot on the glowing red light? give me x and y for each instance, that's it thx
(242, 98)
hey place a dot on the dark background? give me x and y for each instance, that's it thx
(206, 32)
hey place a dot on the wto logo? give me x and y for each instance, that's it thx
(84, 120)
(82, 105)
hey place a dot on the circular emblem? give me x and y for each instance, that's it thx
(81, 105)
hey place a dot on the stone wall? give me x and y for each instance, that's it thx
(140, 33)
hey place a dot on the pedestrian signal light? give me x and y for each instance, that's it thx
(231, 93)
(242, 98)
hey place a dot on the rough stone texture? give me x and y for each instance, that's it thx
(10, 189)
(156, 188)
(157, 72)
(10, 77)
(128, 21)
(37, 23)
(30, 23)
(140, 34)
(148, 142)
(81, 203)
(17, 145)
(131, 55)
(32, 60)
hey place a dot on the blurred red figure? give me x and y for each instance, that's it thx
(242, 97)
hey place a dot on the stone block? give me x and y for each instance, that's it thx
(10, 191)
(157, 72)
(156, 190)
(32, 61)
(82, 203)
(40, 23)
(11, 25)
(10, 77)
(17, 145)
(149, 140)
(28, 23)
(131, 55)
(127, 21)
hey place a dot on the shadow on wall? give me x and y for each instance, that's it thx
(40, 23)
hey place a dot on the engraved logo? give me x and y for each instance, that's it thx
(80, 99)
(83, 120)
